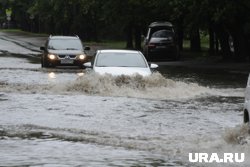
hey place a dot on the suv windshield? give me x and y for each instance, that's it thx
(65, 44)
(162, 34)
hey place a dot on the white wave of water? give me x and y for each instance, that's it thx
(152, 87)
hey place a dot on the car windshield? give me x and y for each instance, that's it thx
(162, 34)
(65, 44)
(120, 60)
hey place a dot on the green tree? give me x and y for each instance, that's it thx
(128, 19)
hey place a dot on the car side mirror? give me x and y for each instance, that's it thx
(87, 48)
(42, 48)
(153, 66)
(88, 65)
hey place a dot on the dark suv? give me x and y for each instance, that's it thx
(64, 51)
(160, 42)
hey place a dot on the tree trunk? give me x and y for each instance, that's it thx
(129, 37)
(195, 44)
(137, 33)
(180, 36)
(180, 33)
(223, 37)
(216, 44)
(211, 40)
(240, 46)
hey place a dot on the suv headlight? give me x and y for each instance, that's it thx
(51, 56)
(82, 57)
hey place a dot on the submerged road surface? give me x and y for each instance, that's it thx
(71, 118)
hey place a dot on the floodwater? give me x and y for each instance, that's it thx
(72, 117)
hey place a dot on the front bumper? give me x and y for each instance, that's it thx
(68, 62)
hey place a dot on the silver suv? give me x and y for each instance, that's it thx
(64, 51)
(160, 42)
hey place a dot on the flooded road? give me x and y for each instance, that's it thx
(70, 117)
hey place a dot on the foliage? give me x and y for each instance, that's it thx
(128, 19)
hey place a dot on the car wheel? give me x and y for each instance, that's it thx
(246, 116)
(45, 63)
(42, 64)
(82, 67)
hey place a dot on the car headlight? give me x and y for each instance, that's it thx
(51, 56)
(82, 56)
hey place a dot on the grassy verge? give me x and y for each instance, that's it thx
(18, 31)
(108, 44)
(199, 55)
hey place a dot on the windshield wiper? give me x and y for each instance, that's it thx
(71, 49)
(51, 48)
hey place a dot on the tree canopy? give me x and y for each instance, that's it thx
(225, 21)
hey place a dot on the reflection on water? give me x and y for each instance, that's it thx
(52, 75)
(80, 74)
(40, 153)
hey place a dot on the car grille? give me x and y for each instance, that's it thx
(67, 56)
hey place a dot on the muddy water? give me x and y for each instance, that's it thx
(70, 117)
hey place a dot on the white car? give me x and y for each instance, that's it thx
(247, 102)
(120, 62)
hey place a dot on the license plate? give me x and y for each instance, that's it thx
(67, 61)
(161, 47)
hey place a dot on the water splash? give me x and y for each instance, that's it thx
(155, 86)
(238, 135)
